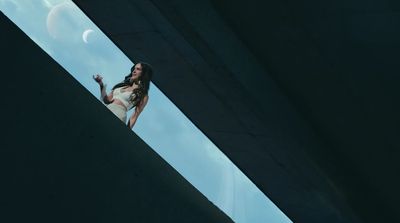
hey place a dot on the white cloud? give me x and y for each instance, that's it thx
(8, 7)
(52, 3)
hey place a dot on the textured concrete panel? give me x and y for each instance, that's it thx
(244, 114)
(307, 90)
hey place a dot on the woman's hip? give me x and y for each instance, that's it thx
(118, 110)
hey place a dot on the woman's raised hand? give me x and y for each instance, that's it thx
(98, 78)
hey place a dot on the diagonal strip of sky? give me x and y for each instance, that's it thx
(66, 34)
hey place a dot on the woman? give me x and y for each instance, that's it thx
(132, 92)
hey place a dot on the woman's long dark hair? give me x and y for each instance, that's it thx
(143, 81)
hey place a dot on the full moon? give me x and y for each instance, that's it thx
(86, 34)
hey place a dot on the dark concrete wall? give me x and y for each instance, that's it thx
(300, 95)
(65, 158)
(211, 76)
(337, 62)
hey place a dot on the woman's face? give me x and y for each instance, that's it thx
(137, 72)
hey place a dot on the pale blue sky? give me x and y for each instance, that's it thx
(57, 26)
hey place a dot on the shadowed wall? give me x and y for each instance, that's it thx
(301, 95)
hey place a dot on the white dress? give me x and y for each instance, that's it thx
(124, 97)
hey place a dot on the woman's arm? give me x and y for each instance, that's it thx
(107, 99)
(138, 110)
